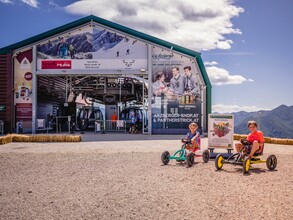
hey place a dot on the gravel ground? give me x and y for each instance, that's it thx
(100, 179)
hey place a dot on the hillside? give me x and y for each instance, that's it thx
(275, 123)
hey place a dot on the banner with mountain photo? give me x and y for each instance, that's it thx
(177, 92)
(92, 48)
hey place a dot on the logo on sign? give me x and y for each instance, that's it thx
(128, 63)
(28, 76)
(56, 64)
(162, 56)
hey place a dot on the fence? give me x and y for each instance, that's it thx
(110, 126)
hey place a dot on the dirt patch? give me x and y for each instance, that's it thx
(126, 180)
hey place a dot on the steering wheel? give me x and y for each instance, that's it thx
(186, 140)
(245, 142)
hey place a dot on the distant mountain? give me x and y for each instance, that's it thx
(275, 123)
(105, 40)
(81, 42)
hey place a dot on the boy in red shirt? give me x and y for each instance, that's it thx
(255, 137)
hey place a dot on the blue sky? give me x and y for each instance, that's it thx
(246, 45)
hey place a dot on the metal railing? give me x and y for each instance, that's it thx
(1, 127)
(103, 126)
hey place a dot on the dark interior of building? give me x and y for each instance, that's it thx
(79, 96)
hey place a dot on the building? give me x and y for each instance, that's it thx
(86, 71)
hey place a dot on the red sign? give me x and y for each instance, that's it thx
(56, 64)
(28, 76)
(23, 111)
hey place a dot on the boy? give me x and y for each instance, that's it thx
(255, 137)
(193, 135)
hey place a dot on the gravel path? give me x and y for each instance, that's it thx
(125, 180)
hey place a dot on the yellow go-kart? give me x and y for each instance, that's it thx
(243, 160)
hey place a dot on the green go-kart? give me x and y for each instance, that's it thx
(181, 155)
(243, 160)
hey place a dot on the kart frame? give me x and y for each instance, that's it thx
(243, 160)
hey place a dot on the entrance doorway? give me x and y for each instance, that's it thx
(81, 102)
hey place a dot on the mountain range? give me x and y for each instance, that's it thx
(84, 43)
(277, 123)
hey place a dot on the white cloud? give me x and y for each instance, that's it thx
(224, 45)
(53, 5)
(32, 3)
(219, 76)
(6, 1)
(221, 108)
(196, 24)
(213, 63)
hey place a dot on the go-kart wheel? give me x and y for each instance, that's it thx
(246, 165)
(271, 162)
(165, 157)
(190, 159)
(206, 156)
(219, 161)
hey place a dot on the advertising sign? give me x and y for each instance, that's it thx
(176, 88)
(92, 48)
(23, 111)
(221, 130)
(23, 88)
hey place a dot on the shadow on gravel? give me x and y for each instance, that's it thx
(251, 171)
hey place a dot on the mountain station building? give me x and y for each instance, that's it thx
(96, 75)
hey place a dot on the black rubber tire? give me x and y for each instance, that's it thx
(219, 161)
(190, 159)
(246, 165)
(205, 156)
(165, 157)
(271, 162)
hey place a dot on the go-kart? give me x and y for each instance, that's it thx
(243, 160)
(182, 155)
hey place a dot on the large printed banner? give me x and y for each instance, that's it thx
(221, 130)
(92, 48)
(23, 89)
(176, 88)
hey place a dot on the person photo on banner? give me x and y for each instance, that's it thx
(191, 84)
(62, 49)
(177, 83)
(160, 86)
(72, 51)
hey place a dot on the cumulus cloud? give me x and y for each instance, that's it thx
(219, 76)
(221, 108)
(196, 24)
